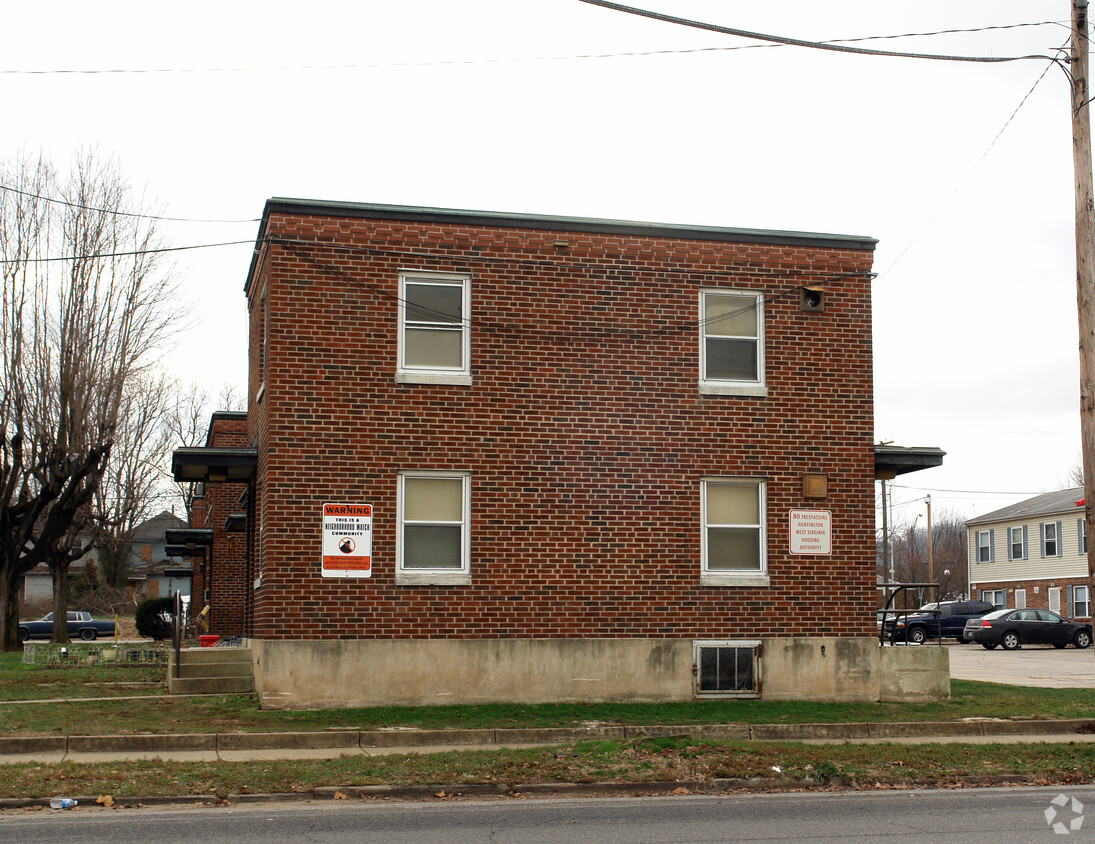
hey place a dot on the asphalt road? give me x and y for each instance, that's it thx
(1003, 816)
(1033, 665)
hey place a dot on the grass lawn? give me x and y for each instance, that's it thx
(156, 712)
(71, 711)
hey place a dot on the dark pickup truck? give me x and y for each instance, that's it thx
(943, 620)
(80, 625)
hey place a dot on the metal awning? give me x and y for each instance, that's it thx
(236, 522)
(213, 465)
(187, 542)
(892, 460)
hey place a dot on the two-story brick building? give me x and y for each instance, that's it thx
(507, 457)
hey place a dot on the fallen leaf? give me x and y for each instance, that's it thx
(105, 800)
(339, 796)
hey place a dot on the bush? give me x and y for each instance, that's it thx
(155, 618)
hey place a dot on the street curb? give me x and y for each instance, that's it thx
(411, 738)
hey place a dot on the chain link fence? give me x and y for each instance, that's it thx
(90, 654)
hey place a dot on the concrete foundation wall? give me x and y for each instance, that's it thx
(317, 674)
(914, 674)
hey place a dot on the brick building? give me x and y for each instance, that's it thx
(578, 459)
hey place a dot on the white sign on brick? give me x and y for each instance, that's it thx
(811, 531)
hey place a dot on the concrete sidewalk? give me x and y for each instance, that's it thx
(337, 743)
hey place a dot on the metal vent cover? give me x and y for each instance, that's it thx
(726, 668)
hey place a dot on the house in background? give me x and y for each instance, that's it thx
(504, 457)
(1033, 554)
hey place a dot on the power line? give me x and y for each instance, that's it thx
(499, 60)
(130, 254)
(798, 42)
(116, 211)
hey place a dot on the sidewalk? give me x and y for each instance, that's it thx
(337, 743)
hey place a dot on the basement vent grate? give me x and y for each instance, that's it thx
(726, 668)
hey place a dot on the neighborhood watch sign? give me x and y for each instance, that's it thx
(347, 540)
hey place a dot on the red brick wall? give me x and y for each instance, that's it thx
(584, 431)
(226, 561)
(1035, 600)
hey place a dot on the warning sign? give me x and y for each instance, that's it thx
(811, 531)
(347, 540)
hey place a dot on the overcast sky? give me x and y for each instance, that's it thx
(560, 107)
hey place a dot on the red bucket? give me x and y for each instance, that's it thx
(208, 641)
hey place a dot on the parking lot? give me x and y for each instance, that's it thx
(1034, 665)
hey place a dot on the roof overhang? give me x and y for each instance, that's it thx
(187, 542)
(235, 522)
(892, 460)
(213, 465)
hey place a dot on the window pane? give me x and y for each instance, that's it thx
(730, 316)
(431, 546)
(433, 499)
(733, 548)
(434, 303)
(731, 360)
(732, 504)
(433, 347)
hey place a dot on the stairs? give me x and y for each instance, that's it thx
(211, 671)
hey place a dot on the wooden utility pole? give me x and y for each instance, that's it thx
(931, 562)
(1085, 263)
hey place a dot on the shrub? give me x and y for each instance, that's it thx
(155, 618)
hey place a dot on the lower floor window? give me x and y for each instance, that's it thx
(996, 597)
(1081, 601)
(433, 539)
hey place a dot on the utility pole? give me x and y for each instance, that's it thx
(931, 562)
(1085, 263)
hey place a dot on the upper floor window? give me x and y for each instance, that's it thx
(734, 544)
(1081, 534)
(732, 343)
(1051, 539)
(1017, 543)
(433, 540)
(984, 546)
(434, 334)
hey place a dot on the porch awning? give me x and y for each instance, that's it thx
(892, 460)
(213, 465)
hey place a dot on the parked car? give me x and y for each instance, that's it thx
(80, 625)
(1012, 628)
(942, 620)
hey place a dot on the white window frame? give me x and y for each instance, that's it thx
(727, 387)
(1056, 540)
(438, 576)
(1081, 533)
(991, 595)
(731, 577)
(1077, 602)
(1021, 544)
(458, 375)
(986, 546)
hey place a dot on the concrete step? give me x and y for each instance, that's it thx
(213, 671)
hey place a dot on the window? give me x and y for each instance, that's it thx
(433, 542)
(434, 337)
(733, 543)
(1081, 602)
(984, 546)
(1017, 543)
(732, 343)
(1051, 539)
(996, 597)
(1081, 533)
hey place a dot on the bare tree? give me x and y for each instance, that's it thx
(85, 304)
(909, 547)
(187, 422)
(131, 487)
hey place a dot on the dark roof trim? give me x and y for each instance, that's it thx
(213, 465)
(189, 536)
(500, 219)
(183, 551)
(892, 460)
(235, 522)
